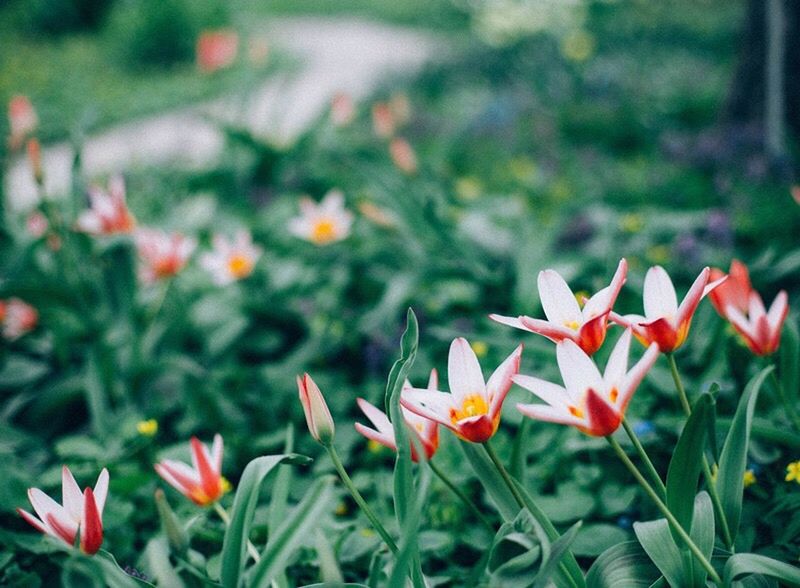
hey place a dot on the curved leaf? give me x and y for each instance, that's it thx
(702, 533)
(244, 505)
(733, 460)
(658, 543)
(751, 563)
(623, 566)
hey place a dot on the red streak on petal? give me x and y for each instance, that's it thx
(593, 333)
(603, 420)
(209, 479)
(92, 531)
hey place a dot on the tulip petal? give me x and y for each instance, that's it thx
(464, 372)
(209, 480)
(101, 491)
(552, 394)
(558, 301)
(71, 495)
(432, 405)
(699, 288)
(778, 311)
(216, 454)
(578, 371)
(593, 333)
(603, 418)
(376, 416)
(433, 380)
(617, 365)
(550, 414)
(36, 523)
(603, 300)
(91, 524)
(48, 510)
(376, 436)
(635, 376)
(660, 299)
(511, 321)
(554, 332)
(500, 381)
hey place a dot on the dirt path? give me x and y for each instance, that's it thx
(334, 55)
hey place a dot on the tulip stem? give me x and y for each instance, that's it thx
(461, 495)
(223, 514)
(650, 468)
(711, 484)
(664, 510)
(790, 410)
(362, 504)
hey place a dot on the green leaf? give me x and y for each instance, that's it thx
(733, 460)
(625, 565)
(518, 552)
(790, 361)
(491, 480)
(658, 543)
(280, 489)
(294, 529)
(113, 575)
(593, 539)
(686, 464)
(19, 371)
(702, 533)
(750, 563)
(558, 550)
(156, 554)
(328, 567)
(244, 505)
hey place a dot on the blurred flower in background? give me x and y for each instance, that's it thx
(217, 49)
(36, 224)
(203, 483)
(231, 260)
(162, 254)
(383, 122)
(403, 155)
(343, 109)
(323, 223)
(22, 120)
(108, 213)
(17, 318)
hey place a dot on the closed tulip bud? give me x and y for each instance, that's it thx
(318, 417)
(176, 536)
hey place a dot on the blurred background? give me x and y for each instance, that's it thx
(475, 142)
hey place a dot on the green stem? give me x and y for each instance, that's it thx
(463, 497)
(651, 469)
(362, 504)
(526, 502)
(790, 410)
(711, 484)
(664, 510)
(223, 514)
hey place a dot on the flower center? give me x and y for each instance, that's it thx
(473, 405)
(324, 231)
(240, 266)
(572, 325)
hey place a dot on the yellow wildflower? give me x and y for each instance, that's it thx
(147, 428)
(793, 472)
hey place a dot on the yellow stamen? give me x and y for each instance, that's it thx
(612, 396)
(240, 266)
(324, 231)
(574, 325)
(473, 405)
(576, 412)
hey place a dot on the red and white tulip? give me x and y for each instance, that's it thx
(664, 322)
(593, 403)
(216, 49)
(80, 516)
(318, 417)
(162, 254)
(22, 120)
(426, 430)
(202, 482)
(108, 213)
(736, 301)
(17, 317)
(565, 318)
(323, 223)
(472, 409)
(231, 260)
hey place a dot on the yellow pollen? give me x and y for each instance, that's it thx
(419, 427)
(612, 396)
(324, 231)
(240, 266)
(473, 405)
(576, 412)
(572, 325)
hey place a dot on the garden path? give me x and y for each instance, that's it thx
(334, 55)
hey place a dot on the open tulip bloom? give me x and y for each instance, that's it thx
(565, 319)
(472, 409)
(736, 301)
(202, 483)
(162, 254)
(665, 322)
(81, 514)
(109, 212)
(593, 403)
(231, 261)
(322, 223)
(426, 430)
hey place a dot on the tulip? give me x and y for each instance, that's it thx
(472, 409)
(383, 121)
(592, 403)
(736, 301)
(565, 319)
(343, 109)
(37, 224)
(318, 417)
(202, 483)
(403, 155)
(81, 513)
(163, 255)
(231, 260)
(108, 213)
(216, 49)
(427, 431)
(322, 223)
(665, 322)
(22, 120)
(17, 318)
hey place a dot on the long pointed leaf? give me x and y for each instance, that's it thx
(733, 460)
(751, 563)
(625, 565)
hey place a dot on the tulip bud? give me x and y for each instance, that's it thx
(318, 417)
(176, 536)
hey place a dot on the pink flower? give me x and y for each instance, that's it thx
(216, 49)
(82, 513)
(163, 255)
(736, 301)
(322, 223)
(342, 109)
(318, 417)
(665, 322)
(108, 214)
(22, 120)
(593, 403)
(472, 409)
(403, 155)
(565, 319)
(37, 224)
(17, 318)
(427, 431)
(383, 122)
(202, 483)
(231, 261)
